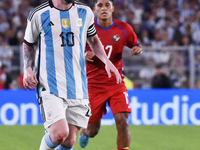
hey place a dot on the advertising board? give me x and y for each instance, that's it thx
(149, 107)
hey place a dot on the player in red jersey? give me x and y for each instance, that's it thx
(114, 35)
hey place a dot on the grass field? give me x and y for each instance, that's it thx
(143, 138)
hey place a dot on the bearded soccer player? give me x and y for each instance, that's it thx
(60, 28)
(114, 35)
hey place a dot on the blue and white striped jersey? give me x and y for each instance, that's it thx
(61, 37)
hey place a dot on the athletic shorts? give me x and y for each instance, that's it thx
(117, 100)
(53, 108)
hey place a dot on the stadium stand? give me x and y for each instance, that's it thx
(169, 31)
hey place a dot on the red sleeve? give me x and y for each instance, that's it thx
(131, 39)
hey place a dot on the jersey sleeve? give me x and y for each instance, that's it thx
(32, 29)
(91, 30)
(131, 39)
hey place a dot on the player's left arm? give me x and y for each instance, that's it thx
(136, 50)
(132, 41)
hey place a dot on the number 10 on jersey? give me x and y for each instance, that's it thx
(67, 39)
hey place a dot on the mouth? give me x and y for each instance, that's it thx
(104, 13)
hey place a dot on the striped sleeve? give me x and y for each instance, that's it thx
(31, 13)
(91, 31)
(33, 24)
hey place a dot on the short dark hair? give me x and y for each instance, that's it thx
(95, 1)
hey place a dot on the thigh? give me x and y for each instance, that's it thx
(52, 109)
(98, 105)
(78, 112)
(119, 101)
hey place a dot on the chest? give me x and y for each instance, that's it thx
(62, 24)
(113, 37)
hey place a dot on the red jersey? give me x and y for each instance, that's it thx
(113, 38)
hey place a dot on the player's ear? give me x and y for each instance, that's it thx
(113, 8)
(112, 5)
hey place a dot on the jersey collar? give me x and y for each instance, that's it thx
(96, 23)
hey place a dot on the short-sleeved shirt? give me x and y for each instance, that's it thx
(61, 37)
(113, 38)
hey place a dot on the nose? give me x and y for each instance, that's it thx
(103, 7)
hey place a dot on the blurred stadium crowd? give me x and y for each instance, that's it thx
(157, 23)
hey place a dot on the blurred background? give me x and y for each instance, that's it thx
(168, 30)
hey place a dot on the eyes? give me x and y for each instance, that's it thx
(100, 5)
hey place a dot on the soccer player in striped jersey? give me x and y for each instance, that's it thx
(60, 28)
(114, 35)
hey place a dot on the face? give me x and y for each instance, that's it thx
(104, 9)
(69, 1)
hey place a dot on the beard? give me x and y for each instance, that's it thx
(69, 1)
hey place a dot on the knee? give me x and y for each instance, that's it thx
(59, 136)
(91, 132)
(122, 124)
(94, 132)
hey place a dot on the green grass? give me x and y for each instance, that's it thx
(142, 138)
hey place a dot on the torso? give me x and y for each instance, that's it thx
(113, 38)
(60, 63)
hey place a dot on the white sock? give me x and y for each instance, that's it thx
(46, 143)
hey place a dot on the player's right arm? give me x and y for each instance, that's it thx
(29, 80)
(89, 56)
(31, 36)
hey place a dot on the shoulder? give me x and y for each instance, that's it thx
(37, 9)
(125, 27)
(122, 24)
(79, 3)
(82, 6)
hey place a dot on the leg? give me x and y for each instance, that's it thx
(57, 133)
(70, 140)
(53, 115)
(98, 109)
(123, 136)
(92, 129)
(119, 104)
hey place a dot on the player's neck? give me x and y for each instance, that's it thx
(104, 23)
(61, 4)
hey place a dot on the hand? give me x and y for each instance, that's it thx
(89, 55)
(29, 80)
(136, 50)
(111, 68)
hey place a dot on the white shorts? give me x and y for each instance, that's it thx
(53, 108)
